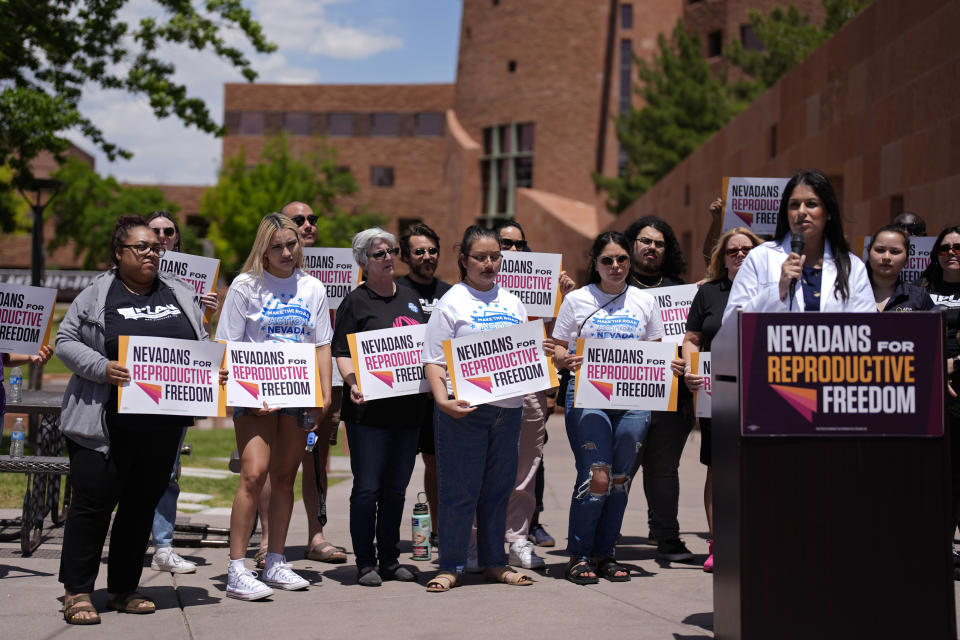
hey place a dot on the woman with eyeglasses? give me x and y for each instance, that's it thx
(383, 434)
(476, 446)
(703, 323)
(120, 461)
(604, 442)
(273, 301)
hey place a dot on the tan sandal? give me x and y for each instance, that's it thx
(443, 581)
(131, 602)
(506, 575)
(76, 605)
(260, 559)
(327, 552)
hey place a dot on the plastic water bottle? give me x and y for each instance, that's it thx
(17, 439)
(311, 441)
(16, 385)
(421, 530)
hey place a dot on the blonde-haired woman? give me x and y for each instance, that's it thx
(703, 322)
(272, 300)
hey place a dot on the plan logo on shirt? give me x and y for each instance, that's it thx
(149, 313)
(494, 316)
(618, 327)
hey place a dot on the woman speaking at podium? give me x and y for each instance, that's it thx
(808, 265)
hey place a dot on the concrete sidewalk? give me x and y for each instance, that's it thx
(664, 600)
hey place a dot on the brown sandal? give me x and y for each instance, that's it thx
(443, 581)
(506, 575)
(327, 552)
(131, 602)
(77, 604)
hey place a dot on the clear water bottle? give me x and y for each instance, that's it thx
(16, 385)
(311, 442)
(421, 530)
(17, 439)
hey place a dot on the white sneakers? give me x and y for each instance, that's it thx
(242, 583)
(281, 575)
(522, 555)
(166, 559)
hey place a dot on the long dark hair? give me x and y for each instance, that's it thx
(605, 238)
(153, 215)
(932, 277)
(472, 233)
(120, 230)
(833, 229)
(674, 263)
(888, 228)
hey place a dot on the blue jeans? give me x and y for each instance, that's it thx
(382, 462)
(476, 469)
(165, 516)
(601, 439)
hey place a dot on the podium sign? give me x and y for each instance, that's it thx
(863, 374)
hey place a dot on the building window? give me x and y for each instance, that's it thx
(295, 123)
(383, 124)
(686, 195)
(773, 141)
(381, 176)
(430, 124)
(626, 16)
(507, 163)
(896, 206)
(749, 39)
(511, 65)
(251, 123)
(626, 74)
(340, 124)
(714, 44)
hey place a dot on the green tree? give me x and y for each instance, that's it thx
(244, 194)
(685, 103)
(87, 208)
(52, 50)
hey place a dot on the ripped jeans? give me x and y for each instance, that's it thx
(604, 442)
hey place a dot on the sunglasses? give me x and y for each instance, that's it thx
(913, 229)
(299, 220)
(944, 249)
(166, 231)
(608, 261)
(659, 244)
(432, 251)
(732, 251)
(507, 244)
(380, 255)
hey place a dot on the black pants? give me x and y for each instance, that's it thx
(132, 478)
(660, 457)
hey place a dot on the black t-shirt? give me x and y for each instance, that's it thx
(365, 310)
(706, 311)
(429, 294)
(947, 297)
(155, 313)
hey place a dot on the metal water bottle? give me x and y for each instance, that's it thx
(17, 439)
(16, 385)
(421, 529)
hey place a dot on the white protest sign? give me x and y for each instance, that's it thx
(171, 377)
(625, 374)
(535, 279)
(700, 365)
(387, 361)
(199, 272)
(674, 303)
(499, 364)
(26, 315)
(278, 374)
(921, 252)
(752, 203)
(335, 268)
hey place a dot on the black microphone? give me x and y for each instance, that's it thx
(796, 246)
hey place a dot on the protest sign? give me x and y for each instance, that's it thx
(535, 279)
(278, 374)
(198, 271)
(387, 361)
(335, 268)
(26, 315)
(752, 203)
(171, 377)
(625, 374)
(499, 364)
(700, 365)
(674, 303)
(921, 251)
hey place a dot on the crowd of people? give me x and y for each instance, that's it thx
(483, 464)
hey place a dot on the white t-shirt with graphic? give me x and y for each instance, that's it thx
(463, 311)
(633, 315)
(292, 309)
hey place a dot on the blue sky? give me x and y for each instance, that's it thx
(320, 41)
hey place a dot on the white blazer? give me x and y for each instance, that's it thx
(756, 287)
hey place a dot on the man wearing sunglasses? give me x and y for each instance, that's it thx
(306, 221)
(420, 250)
(911, 223)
